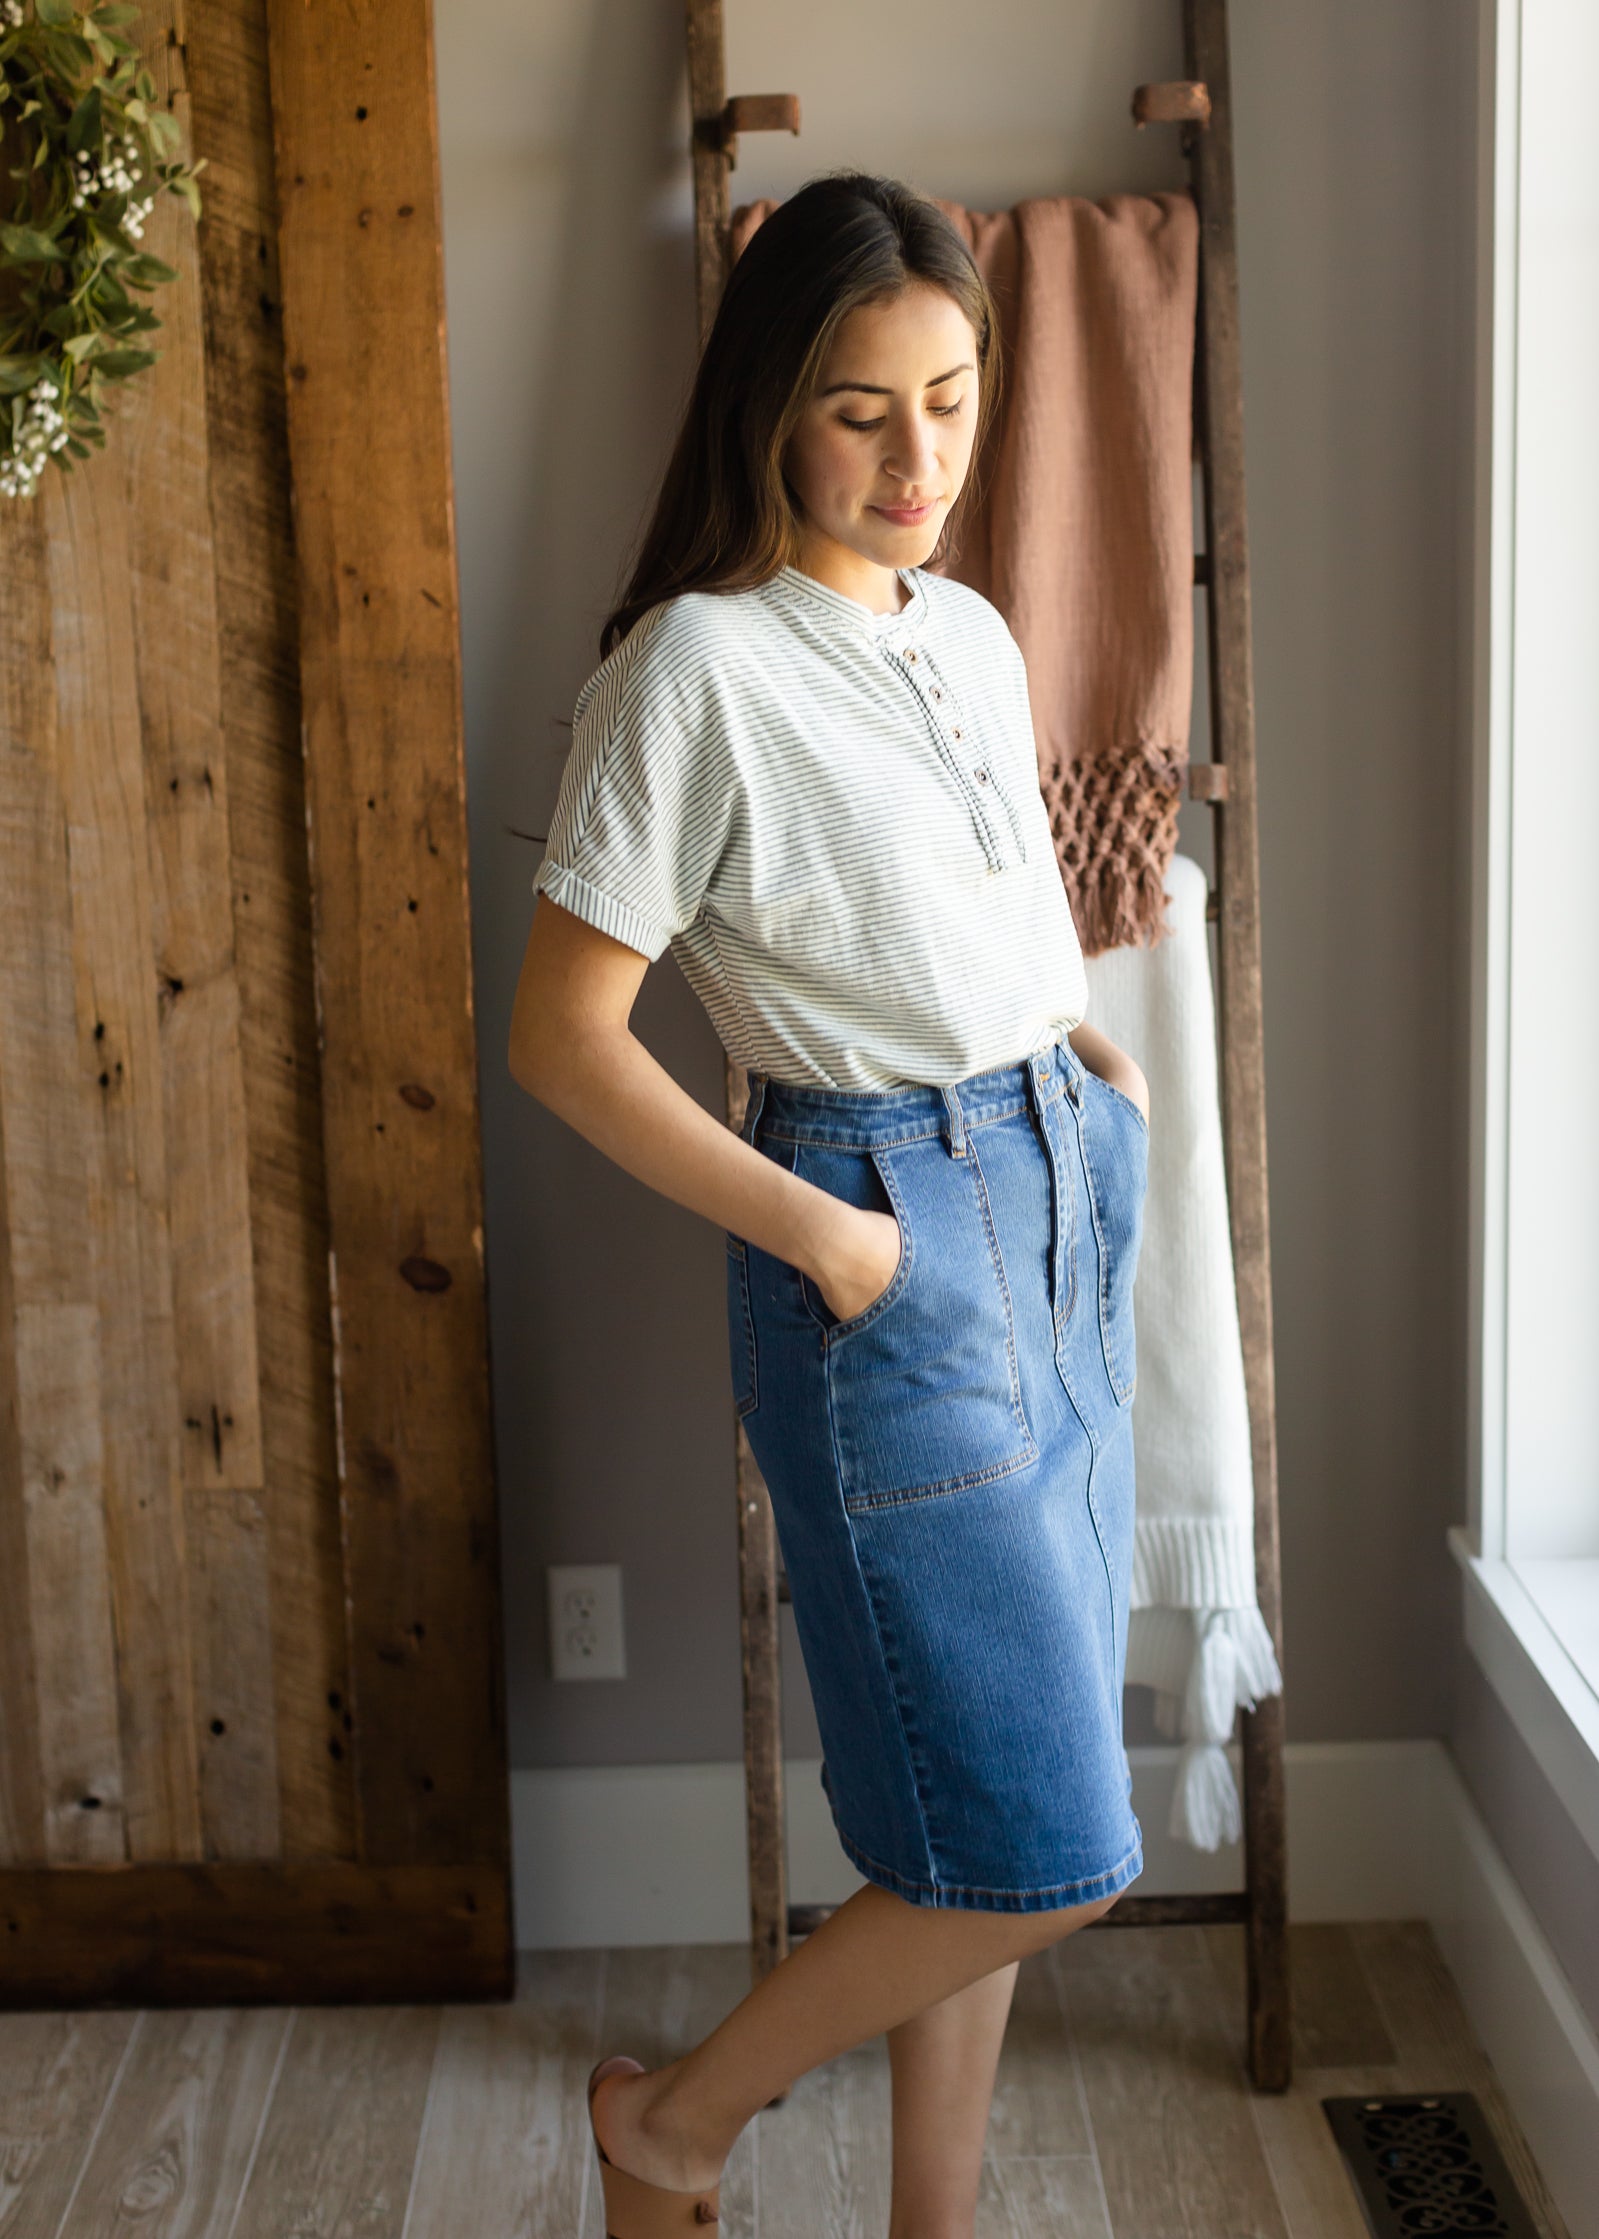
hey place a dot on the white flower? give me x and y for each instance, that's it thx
(42, 431)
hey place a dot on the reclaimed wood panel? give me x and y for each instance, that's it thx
(363, 322)
(120, 1095)
(165, 438)
(60, 1746)
(312, 1932)
(163, 444)
(258, 629)
(242, 1664)
(68, 1613)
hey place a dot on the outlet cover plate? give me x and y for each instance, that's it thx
(585, 1606)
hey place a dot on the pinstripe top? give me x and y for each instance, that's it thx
(833, 819)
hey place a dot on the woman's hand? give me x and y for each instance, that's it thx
(1103, 1058)
(860, 1258)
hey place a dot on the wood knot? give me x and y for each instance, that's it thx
(425, 1274)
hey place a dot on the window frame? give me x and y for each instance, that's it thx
(1524, 1528)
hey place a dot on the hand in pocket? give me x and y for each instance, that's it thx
(865, 1261)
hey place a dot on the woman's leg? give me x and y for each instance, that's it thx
(943, 2064)
(871, 1965)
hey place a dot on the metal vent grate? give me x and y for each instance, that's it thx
(1429, 2167)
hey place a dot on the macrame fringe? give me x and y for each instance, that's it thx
(1233, 1666)
(1113, 907)
(1114, 818)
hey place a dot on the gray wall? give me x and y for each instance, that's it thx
(570, 296)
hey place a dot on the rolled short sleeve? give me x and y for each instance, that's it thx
(645, 800)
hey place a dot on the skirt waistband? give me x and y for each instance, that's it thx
(794, 1112)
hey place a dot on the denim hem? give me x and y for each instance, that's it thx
(970, 1897)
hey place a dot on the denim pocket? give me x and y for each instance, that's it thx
(923, 1386)
(1115, 1141)
(864, 1182)
(740, 1324)
(1121, 1093)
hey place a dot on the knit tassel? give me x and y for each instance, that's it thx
(1235, 1664)
(1205, 1809)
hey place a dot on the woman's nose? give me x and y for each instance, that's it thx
(912, 451)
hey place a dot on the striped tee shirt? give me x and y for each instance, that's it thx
(833, 820)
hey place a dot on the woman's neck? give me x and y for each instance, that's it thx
(881, 589)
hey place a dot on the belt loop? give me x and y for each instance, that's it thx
(752, 1110)
(955, 1131)
(1039, 1068)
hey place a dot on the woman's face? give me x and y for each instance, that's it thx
(882, 448)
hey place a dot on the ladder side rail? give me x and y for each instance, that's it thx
(760, 1644)
(1240, 1000)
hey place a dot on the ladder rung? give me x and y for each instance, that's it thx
(1169, 1912)
(748, 112)
(1183, 101)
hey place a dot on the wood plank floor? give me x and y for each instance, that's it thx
(1122, 2109)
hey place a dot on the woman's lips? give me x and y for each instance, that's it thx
(905, 516)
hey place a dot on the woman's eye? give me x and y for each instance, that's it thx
(940, 411)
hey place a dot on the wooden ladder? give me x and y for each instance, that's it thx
(1201, 106)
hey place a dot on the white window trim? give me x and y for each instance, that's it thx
(1545, 1681)
(1548, 1696)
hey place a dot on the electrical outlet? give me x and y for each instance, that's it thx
(586, 1621)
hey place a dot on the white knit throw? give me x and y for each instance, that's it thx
(1196, 1635)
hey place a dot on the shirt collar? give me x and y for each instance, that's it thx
(794, 586)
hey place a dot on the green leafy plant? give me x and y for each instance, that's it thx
(87, 148)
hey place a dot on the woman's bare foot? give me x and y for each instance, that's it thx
(635, 2124)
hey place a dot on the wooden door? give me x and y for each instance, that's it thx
(252, 1732)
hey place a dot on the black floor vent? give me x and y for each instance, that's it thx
(1429, 2166)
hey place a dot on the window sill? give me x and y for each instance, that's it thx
(1547, 1679)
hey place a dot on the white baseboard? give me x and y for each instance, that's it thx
(654, 1854)
(1519, 2000)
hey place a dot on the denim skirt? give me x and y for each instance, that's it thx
(951, 1473)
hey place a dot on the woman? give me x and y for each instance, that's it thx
(807, 765)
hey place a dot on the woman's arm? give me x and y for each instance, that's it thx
(572, 1049)
(1102, 1056)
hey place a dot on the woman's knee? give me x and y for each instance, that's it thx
(1069, 1918)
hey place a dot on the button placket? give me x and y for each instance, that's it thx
(947, 717)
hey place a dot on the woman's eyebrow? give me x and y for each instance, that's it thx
(875, 388)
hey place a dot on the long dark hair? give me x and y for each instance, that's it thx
(725, 517)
